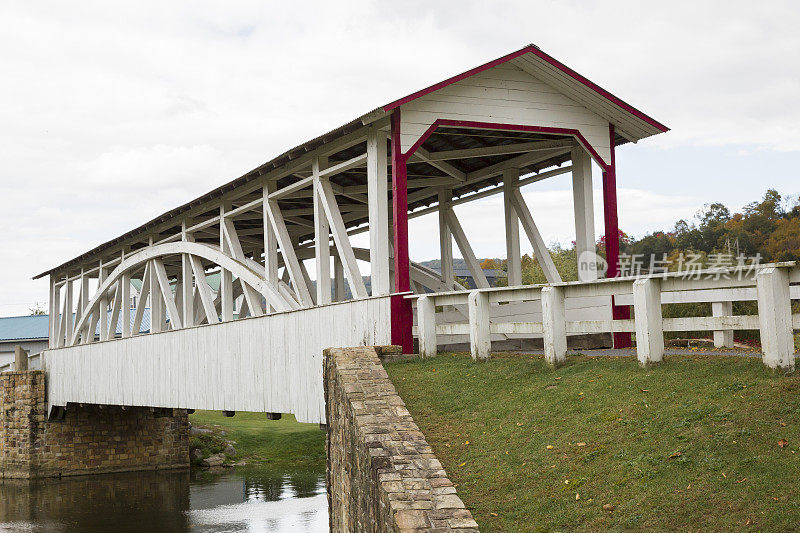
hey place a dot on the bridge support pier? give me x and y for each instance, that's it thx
(86, 439)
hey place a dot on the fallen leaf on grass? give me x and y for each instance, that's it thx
(608, 507)
(676, 454)
(581, 444)
(462, 464)
(577, 496)
(783, 443)
(550, 446)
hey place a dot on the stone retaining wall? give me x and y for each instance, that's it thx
(88, 439)
(382, 474)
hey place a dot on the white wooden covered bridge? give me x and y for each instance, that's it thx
(514, 121)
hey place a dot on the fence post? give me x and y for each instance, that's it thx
(554, 326)
(480, 340)
(775, 317)
(426, 326)
(20, 359)
(722, 338)
(649, 322)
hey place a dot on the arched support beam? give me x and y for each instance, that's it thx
(209, 253)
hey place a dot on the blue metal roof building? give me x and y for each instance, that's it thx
(33, 327)
(30, 332)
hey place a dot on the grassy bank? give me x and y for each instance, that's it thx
(700, 442)
(284, 442)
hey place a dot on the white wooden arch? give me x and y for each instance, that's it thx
(242, 270)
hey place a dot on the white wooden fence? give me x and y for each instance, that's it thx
(271, 363)
(772, 286)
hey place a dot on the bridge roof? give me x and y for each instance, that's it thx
(630, 123)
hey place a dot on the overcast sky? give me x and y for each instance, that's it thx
(114, 112)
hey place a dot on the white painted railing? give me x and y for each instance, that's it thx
(772, 286)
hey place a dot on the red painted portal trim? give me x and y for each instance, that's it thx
(621, 340)
(530, 49)
(402, 318)
(508, 127)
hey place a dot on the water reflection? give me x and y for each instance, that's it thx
(256, 500)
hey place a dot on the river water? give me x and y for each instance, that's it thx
(244, 499)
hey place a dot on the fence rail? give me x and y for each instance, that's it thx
(771, 286)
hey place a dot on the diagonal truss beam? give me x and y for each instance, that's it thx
(466, 250)
(166, 292)
(232, 238)
(287, 250)
(539, 247)
(341, 239)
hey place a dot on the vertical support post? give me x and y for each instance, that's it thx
(446, 239)
(102, 309)
(225, 278)
(338, 279)
(378, 200)
(649, 321)
(480, 340)
(156, 303)
(270, 242)
(554, 325)
(69, 322)
(125, 307)
(187, 286)
(583, 205)
(401, 308)
(54, 310)
(775, 317)
(722, 338)
(83, 298)
(513, 256)
(618, 312)
(322, 229)
(426, 326)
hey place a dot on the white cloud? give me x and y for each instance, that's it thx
(114, 112)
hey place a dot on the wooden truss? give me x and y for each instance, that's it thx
(257, 238)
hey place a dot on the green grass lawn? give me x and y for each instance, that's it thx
(697, 443)
(284, 442)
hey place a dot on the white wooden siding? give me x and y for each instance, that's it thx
(271, 363)
(504, 94)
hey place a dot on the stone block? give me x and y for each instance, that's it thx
(382, 474)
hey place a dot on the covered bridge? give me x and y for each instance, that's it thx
(280, 238)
